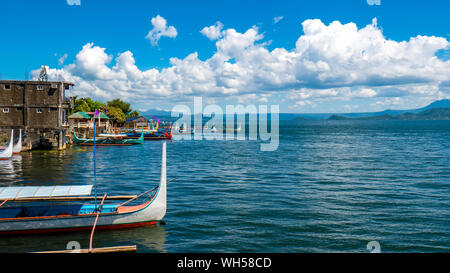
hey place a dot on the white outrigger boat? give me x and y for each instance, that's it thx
(7, 153)
(17, 148)
(29, 210)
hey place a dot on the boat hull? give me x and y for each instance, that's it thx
(77, 229)
(150, 136)
(126, 217)
(107, 141)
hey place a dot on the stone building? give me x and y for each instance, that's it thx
(39, 108)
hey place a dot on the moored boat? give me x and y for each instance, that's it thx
(107, 141)
(7, 153)
(151, 135)
(17, 148)
(113, 135)
(29, 210)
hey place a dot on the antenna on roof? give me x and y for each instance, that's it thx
(43, 76)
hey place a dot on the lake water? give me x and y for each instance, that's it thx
(331, 186)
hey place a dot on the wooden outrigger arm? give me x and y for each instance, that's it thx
(142, 194)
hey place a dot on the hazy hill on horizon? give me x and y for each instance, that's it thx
(428, 114)
(445, 103)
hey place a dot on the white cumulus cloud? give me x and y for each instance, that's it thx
(160, 29)
(213, 32)
(336, 61)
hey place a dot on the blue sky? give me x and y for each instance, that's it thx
(52, 33)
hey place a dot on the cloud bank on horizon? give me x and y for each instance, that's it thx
(329, 62)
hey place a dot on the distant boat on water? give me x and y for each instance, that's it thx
(113, 135)
(160, 134)
(182, 128)
(110, 140)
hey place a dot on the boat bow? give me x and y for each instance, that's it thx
(159, 203)
(17, 148)
(7, 153)
(154, 209)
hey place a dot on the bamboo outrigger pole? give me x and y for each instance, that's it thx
(95, 166)
(114, 249)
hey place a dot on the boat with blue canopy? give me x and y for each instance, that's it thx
(45, 209)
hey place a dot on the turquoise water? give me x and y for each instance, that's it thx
(332, 186)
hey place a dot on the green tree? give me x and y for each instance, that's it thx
(87, 105)
(94, 105)
(118, 103)
(117, 110)
(82, 106)
(115, 114)
(133, 114)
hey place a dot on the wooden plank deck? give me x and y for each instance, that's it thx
(114, 249)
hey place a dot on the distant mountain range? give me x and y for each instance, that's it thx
(430, 114)
(155, 113)
(440, 110)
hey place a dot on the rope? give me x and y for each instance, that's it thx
(4, 202)
(95, 223)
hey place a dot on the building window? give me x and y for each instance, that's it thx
(39, 110)
(40, 87)
(19, 108)
(5, 110)
(7, 87)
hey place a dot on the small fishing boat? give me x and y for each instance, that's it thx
(7, 153)
(31, 210)
(113, 135)
(151, 135)
(107, 141)
(17, 148)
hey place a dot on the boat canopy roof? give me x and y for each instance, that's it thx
(11, 193)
